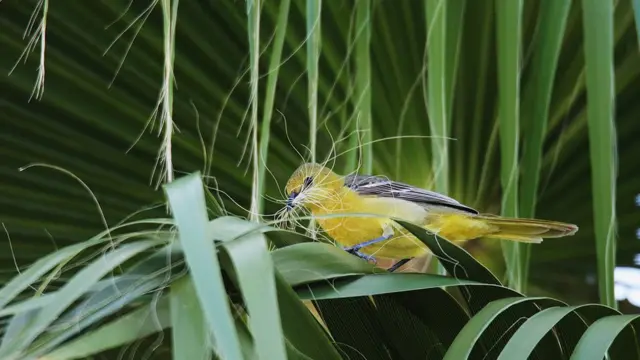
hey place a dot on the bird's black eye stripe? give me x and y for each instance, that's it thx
(307, 182)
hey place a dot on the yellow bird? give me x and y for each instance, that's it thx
(323, 192)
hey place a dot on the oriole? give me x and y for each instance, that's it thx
(321, 191)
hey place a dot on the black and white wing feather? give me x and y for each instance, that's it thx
(383, 187)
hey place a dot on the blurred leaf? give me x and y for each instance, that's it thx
(314, 45)
(363, 82)
(636, 12)
(68, 294)
(121, 331)
(509, 33)
(44, 265)
(436, 90)
(96, 308)
(272, 81)
(254, 9)
(553, 18)
(190, 337)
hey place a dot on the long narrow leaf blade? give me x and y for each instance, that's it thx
(250, 256)
(437, 93)
(378, 284)
(298, 325)
(509, 19)
(254, 8)
(363, 81)
(636, 13)
(69, 293)
(190, 339)
(464, 343)
(121, 331)
(534, 329)
(553, 19)
(314, 9)
(44, 265)
(272, 81)
(303, 331)
(187, 201)
(599, 337)
(598, 46)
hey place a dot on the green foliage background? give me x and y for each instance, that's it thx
(396, 76)
(86, 126)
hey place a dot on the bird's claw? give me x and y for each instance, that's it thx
(355, 250)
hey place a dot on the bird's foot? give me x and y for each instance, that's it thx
(355, 250)
(398, 264)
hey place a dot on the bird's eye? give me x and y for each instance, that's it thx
(307, 182)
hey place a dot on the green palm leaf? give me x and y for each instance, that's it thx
(365, 313)
(110, 98)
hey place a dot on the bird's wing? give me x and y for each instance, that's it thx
(383, 187)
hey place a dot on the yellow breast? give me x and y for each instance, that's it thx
(352, 230)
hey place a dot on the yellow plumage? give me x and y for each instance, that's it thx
(323, 192)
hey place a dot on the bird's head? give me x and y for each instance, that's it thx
(312, 184)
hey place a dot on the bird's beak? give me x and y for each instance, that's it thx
(290, 205)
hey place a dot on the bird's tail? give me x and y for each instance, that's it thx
(525, 230)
